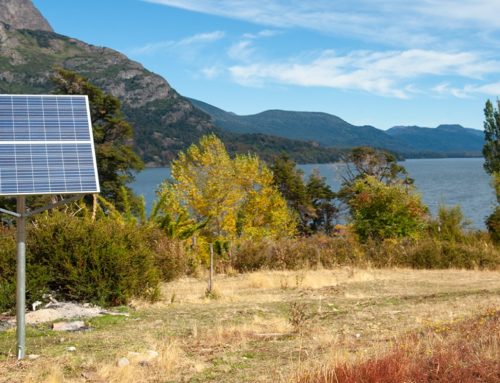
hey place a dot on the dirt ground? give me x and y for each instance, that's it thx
(258, 327)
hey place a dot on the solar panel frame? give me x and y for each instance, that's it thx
(59, 177)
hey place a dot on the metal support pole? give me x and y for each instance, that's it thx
(211, 273)
(21, 278)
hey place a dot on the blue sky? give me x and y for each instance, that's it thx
(384, 62)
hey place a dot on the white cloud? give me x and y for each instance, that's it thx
(211, 72)
(489, 89)
(243, 50)
(200, 38)
(261, 34)
(417, 23)
(383, 73)
(483, 13)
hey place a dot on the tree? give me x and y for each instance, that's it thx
(311, 201)
(116, 161)
(236, 197)
(289, 181)
(491, 149)
(380, 211)
(491, 153)
(321, 197)
(366, 161)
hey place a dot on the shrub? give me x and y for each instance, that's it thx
(36, 275)
(101, 261)
(450, 224)
(381, 211)
(172, 259)
(317, 250)
(493, 225)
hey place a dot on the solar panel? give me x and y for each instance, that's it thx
(46, 145)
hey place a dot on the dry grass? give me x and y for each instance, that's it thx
(248, 335)
(461, 352)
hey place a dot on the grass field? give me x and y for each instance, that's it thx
(262, 327)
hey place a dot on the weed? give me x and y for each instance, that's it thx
(297, 316)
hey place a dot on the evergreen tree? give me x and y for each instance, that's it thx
(311, 201)
(491, 149)
(491, 153)
(116, 161)
(321, 197)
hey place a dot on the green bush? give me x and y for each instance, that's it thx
(380, 211)
(98, 261)
(36, 276)
(77, 259)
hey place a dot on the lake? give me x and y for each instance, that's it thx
(448, 181)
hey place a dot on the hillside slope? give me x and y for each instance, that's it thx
(165, 122)
(444, 138)
(330, 130)
(326, 129)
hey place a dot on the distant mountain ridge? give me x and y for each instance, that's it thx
(331, 130)
(444, 138)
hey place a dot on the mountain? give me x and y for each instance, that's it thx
(448, 139)
(330, 130)
(164, 121)
(22, 14)
(326, 129)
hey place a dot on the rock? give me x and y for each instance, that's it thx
(69, 326)
(71, 348)
(22, 14)
(33, 356)
(152, 354)
(35, 305)
(122, 362)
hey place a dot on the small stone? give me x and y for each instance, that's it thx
(122, 362)
(358, 335)
(69, 326)
(71, 348)
(152, 354)
(33, 356)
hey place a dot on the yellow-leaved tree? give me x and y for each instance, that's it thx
(233, 198)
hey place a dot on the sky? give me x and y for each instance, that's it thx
(382, 63)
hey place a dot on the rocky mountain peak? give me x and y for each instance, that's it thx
(22, 14)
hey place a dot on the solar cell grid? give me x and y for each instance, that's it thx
(46, 145)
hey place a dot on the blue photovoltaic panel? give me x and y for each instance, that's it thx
(46, 145)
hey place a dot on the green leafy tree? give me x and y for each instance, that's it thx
(116, 161)
(380, 211)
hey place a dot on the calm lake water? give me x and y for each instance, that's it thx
(449, 181)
